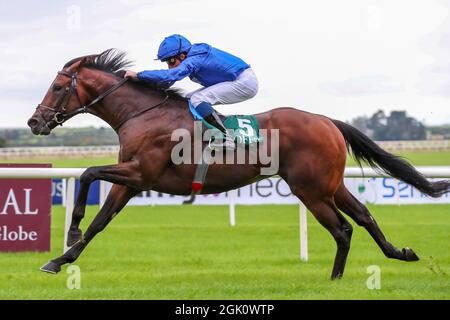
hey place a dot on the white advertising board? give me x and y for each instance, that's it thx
(276, 191)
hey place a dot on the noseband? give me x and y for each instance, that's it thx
(60, 115)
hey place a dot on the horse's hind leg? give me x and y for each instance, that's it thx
(325, 211)
(341, 230)
(346, 202)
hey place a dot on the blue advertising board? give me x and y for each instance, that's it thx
(58, 189)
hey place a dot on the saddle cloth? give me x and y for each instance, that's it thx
(244, 128)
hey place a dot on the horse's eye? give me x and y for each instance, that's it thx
(57, 88)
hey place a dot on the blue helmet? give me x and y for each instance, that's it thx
(173, 46)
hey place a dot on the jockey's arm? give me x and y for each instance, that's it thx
(165, 78)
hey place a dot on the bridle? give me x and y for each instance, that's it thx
(60, 115)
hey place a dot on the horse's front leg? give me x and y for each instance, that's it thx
(74, 234)
(120, 174)
(116, 200)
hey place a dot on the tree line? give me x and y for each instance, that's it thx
(398, 126)
(395, 126)
(88, 136)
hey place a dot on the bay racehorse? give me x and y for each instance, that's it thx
(312, 154)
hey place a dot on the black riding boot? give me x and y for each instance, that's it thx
(215, 121)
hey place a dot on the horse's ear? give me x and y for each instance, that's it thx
(84, 61)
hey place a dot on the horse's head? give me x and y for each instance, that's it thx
(63, 97)
(68, 95)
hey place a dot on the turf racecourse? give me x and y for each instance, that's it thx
(185, 252)
(168, 252)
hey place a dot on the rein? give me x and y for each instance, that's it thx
(60, 116)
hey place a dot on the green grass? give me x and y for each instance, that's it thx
(417, 158)
(168, 252)
(70, 162)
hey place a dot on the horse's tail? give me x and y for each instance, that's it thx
(366, 150)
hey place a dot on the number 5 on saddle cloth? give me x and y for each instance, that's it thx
(244, 129)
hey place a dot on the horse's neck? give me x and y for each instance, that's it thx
(129, 101)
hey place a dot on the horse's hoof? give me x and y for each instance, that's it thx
(409, 254)
(336, 276)
(73, 237)
(51, 267)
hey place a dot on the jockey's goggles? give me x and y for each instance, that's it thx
(171, 61)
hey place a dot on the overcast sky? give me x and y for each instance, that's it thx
(338, 58)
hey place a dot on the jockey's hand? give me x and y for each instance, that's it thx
(131, 74)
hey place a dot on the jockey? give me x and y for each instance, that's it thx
(225, 78)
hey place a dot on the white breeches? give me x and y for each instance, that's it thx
(241, 89)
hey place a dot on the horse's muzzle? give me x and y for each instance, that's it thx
(38, 127)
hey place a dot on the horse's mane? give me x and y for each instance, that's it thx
(114, 61)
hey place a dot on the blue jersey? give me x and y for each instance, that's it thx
(204, 64)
